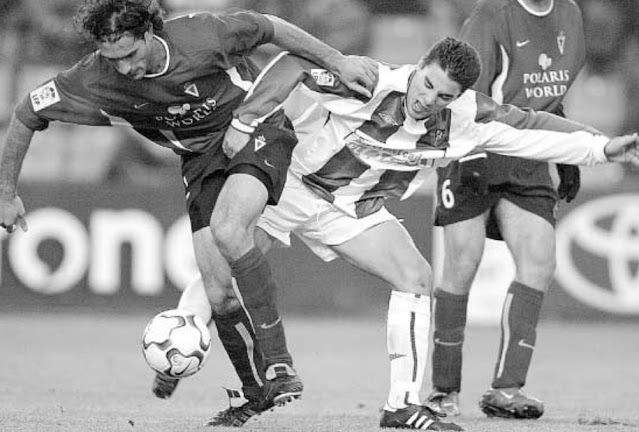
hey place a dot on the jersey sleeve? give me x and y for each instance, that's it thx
(62, 98)
(529, 134)
(479, 31)
(279, 78)
(239, 32)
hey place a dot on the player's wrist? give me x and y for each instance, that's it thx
(238, 125)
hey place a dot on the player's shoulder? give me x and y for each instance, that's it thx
(465, 106)
(569, 6)
(394, 77)
(192, 22)
(490, 9)
(92, 67)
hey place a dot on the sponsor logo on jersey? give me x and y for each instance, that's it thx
(521, 44)
(179, 109)
(548, 83)
(545, 61)
(186, 115)
(45, 96)
(598, 253)
(323, 77)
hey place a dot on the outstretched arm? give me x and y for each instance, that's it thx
(12, 153)
(269, 92)
(623, 149)
(356, 72)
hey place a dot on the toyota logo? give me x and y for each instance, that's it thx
(598, 253)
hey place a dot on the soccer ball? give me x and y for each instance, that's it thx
(176, 343)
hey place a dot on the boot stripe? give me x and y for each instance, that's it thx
(412, 418)
(424, 423)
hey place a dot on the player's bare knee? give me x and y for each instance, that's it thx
(228, 234)
(537, 270)
(414, 279)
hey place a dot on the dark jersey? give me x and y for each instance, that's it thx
(186, 107)
(528, 60)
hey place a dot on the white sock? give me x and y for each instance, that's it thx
(408, 327)
(195, 300)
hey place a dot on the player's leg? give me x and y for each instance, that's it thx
(464, 246)
(195, 300)
(387, 251)
(204, 176)
(531, 241)
(256, 178)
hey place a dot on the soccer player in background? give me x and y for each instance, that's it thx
(361, 151)
(177, 82)
(531, 52)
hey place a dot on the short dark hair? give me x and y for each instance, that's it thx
(108, 20)
(457, 58)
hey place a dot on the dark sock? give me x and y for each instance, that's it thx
(449, 318)
(518, 334)
(258, 291)
(236, 334)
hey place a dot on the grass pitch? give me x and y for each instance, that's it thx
(70, 372)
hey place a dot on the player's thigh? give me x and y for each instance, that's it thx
(387, 250)
(240, 202)
(531, 241)
(463, 248)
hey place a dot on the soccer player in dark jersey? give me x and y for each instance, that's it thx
(531, 52)
(361, 151)
(177, 82)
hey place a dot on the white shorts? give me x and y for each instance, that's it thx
(314, 220)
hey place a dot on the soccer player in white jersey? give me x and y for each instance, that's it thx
(363, 150)
(531, 52)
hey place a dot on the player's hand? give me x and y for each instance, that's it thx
(569, 181)
(624, 149)
(12, 213)
(234, 142)
(359, 74)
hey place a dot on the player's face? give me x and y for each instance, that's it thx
(131, 57)
(430, 91)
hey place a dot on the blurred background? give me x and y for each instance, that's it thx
(107, 226)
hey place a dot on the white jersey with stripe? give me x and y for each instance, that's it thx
(356, 153)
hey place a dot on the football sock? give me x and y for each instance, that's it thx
(408, 326)
(236, 334)
(518, 334)
(257, 292)
(449, 319)
(194, 299)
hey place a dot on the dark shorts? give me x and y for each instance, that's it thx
(266, 157)
(457, 202)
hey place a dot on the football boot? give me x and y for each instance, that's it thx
(445, 402)
(418, 417)
(282, 386)
(510, 403)
(164, 386)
